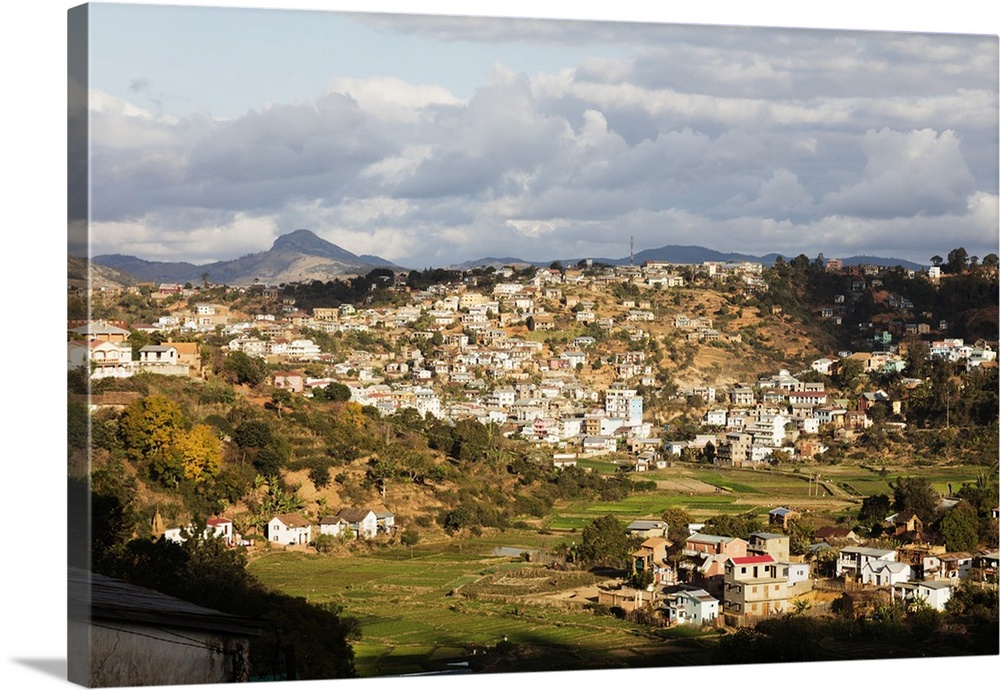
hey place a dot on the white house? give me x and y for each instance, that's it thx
(853, 558)
(289, 528)
(882, 573)
(933, 594)
(691, 607)
(332, 525)
(363, 522)
(714, 417)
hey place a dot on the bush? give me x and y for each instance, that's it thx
(325, 543)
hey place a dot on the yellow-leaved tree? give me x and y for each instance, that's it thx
(200, 452)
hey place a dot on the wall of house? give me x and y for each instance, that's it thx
(154, 367)
(121, 654)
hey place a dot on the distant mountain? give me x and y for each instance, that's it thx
(682, 254)
(296, 256)
(496, 263)
(686, 254)
(81, 274)
(882, 261)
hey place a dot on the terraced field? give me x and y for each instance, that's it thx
(415, 618)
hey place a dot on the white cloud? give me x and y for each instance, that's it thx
(157, 239)
(745, 140)
(392, 99)
(906, 174)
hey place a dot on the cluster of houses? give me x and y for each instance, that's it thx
(716, 579)
(104, 348)
(713, 575)
(513, 381)
(348, 523)
(291, 529)
(747, 423)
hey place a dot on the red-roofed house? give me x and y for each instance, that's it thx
(706, 557)
(754, 587)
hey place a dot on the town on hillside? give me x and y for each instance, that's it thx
(702, 447)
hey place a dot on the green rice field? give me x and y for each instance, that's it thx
(414, 618)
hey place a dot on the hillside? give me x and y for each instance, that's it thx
(297, 256)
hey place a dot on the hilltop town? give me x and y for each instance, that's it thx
(331, 419)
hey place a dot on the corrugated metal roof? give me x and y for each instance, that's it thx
(96, 597)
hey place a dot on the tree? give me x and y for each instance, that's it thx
(335, 391)
(958, 261)
(708, 454)
(200, 452)
(252, 433)
(677, 520)
(148, 426)
(409, 537)
(849, 373)
(605, 542)
(960, 528)
(243, 368)
(874, 509)
(280, 399)
(742, 525)
(916, 494)
(381, 469)
(936, 260)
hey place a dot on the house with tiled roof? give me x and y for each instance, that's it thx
(363, 522)
(651, 557)
(289, 528)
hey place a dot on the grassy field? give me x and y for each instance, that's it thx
(414, 618)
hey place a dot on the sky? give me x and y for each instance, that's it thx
(429, 140)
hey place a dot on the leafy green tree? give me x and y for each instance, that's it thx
(245, 369)
(960, 528)
(742, 525)
(958, 261)
(471, 440)
(77, 425)
(381, 469)
(874, 509)
(335, 391)
(677, 520)
(605, 542)
(916, 494)
(253, 433)
(849, 374)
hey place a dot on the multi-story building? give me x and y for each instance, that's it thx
(754, 587)
(853, 558)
